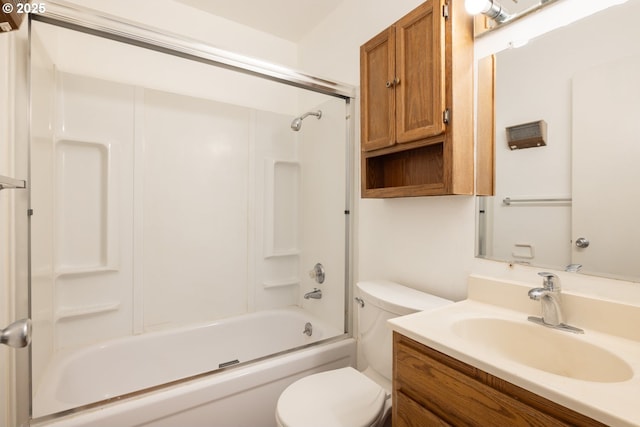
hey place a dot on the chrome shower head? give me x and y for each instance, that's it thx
(296, 124)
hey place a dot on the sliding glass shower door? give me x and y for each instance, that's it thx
(167, 192)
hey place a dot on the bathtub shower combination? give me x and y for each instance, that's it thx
(183, 202)
(124, 366)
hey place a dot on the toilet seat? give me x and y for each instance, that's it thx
(338, 398)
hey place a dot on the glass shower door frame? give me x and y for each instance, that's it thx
(87, 21)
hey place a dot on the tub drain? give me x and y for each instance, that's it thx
(308, 329)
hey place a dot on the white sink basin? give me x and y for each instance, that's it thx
(549, 350)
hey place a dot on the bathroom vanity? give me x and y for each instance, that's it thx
(480, 362)
(433, 389)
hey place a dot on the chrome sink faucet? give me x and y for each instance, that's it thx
(549, 297)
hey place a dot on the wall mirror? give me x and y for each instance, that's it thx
(575, 198)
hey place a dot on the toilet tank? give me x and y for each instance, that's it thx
(384, 300)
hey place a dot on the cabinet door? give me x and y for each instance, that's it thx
(433, 389)
(409, 413)
(420, 75)
(377, 107)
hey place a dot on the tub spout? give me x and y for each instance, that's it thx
(314, 294)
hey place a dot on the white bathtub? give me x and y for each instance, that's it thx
(239, 396)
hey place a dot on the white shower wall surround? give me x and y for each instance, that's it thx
(156, 186)
(154, 209)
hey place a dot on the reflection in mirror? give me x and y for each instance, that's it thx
(492, 14)
(575, 200)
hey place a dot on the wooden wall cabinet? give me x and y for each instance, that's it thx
(417, 104)
(433, 389)
(10, 19)
(403, 80)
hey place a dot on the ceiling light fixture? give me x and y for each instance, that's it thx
(490, 8)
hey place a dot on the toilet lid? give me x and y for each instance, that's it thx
(338, 398)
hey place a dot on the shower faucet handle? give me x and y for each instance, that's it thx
(317, 273)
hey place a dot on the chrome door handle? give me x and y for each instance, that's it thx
(17, 334)
(582, 242)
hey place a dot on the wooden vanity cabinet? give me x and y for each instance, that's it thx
(433, 389)
(416, 82)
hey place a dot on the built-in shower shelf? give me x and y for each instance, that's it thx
(292, 281)
(282, 205)
(75, 312)
(283, 253)
(9, 183)
(72, 271)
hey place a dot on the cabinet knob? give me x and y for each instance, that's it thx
(393, 82)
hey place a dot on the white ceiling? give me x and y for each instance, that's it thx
(288, 19)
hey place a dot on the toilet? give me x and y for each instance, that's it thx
(346, 397)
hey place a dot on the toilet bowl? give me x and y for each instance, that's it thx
(346, 397)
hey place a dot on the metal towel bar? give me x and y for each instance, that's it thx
(9, 183)
(17, 334)
(509, 201)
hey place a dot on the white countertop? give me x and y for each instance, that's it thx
(613, 403)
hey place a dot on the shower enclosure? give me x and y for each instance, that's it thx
(169, 187)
